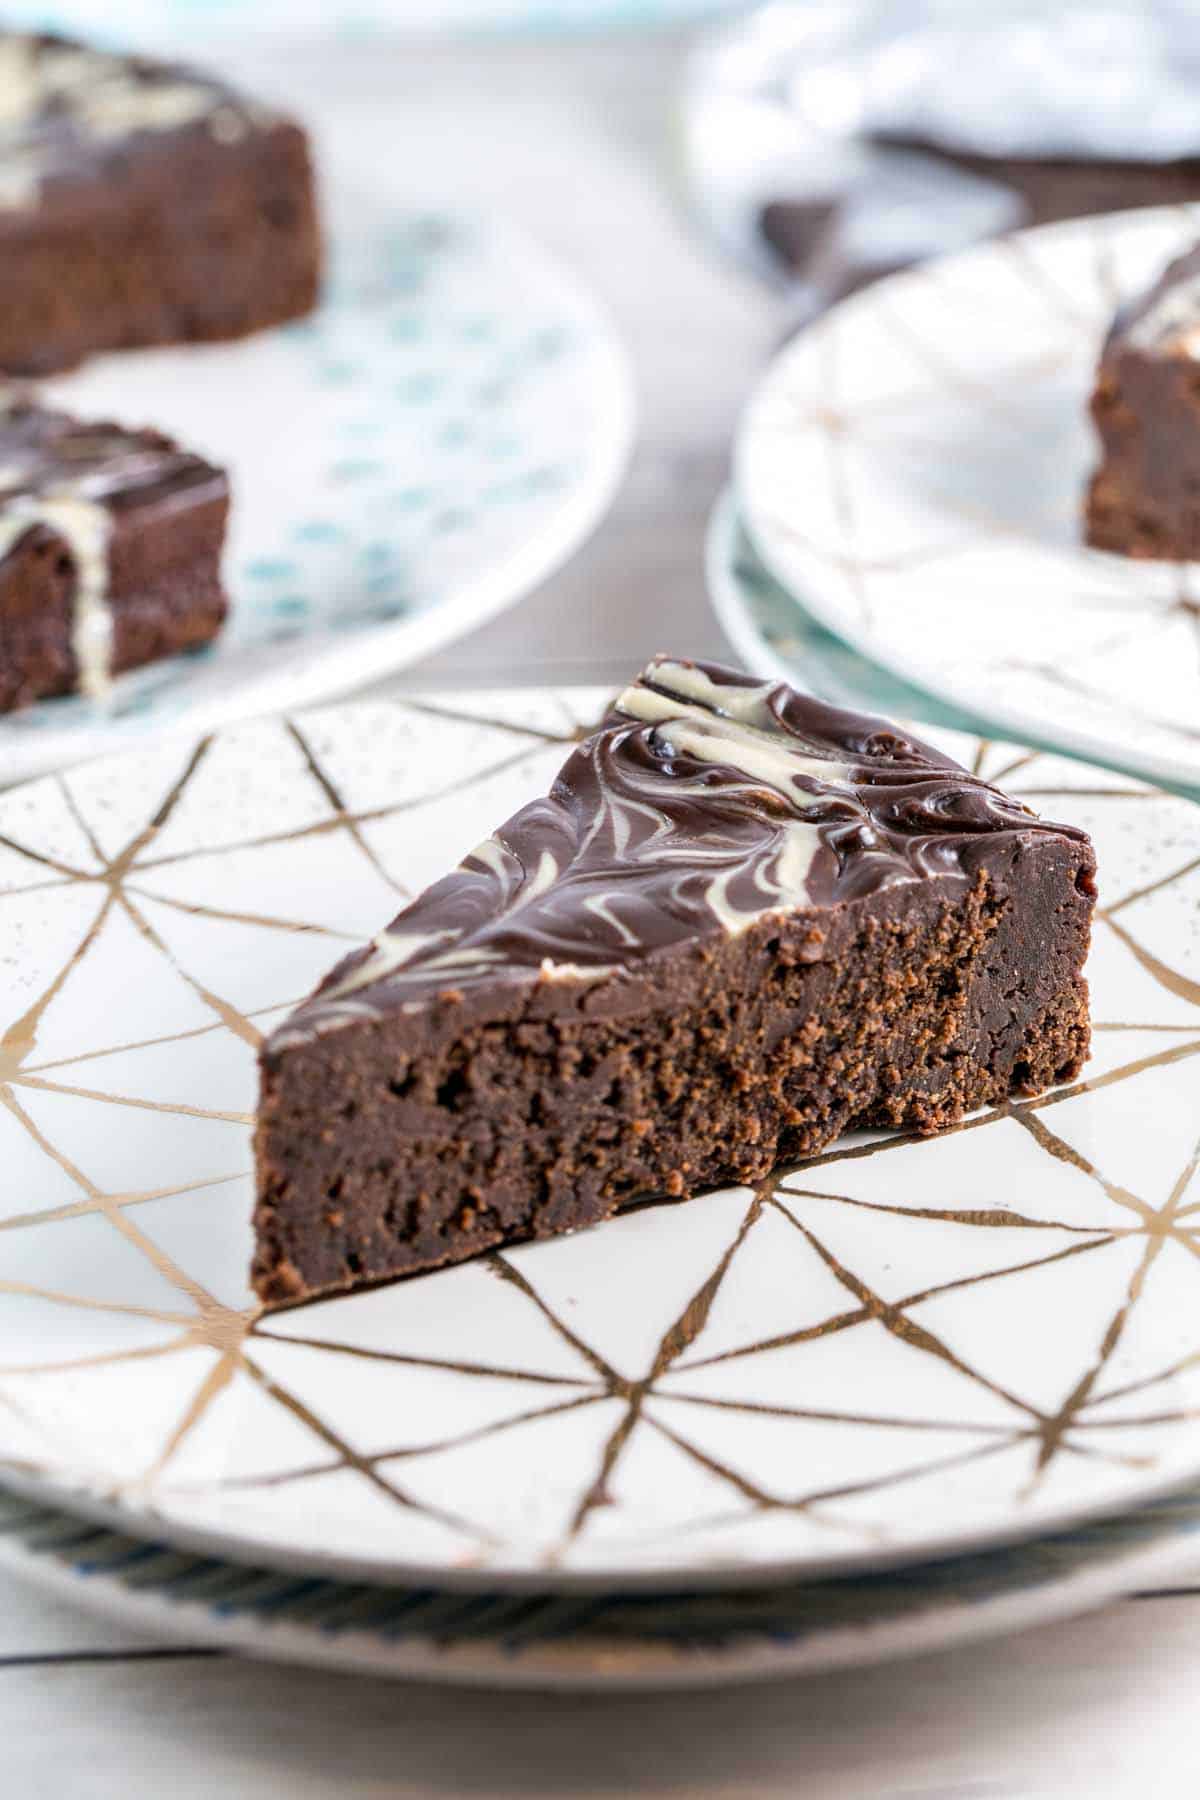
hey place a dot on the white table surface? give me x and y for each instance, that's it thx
(575, 141)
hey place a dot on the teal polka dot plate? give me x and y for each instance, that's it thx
(431, 443)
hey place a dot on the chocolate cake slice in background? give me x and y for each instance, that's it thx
(1144, 499)
(110, 552)
(741, 922)
(142, 203)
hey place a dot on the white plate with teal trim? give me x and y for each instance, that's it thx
(442, 433)
(775, 636)
(611, 1641)
(897, 1351)
(912, 468)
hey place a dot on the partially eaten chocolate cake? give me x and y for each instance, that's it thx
(1144, 499)
(740, 923)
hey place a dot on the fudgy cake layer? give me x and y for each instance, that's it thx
(1144, 498)
(210, 241)
(724, 938)
(145, 204)
(747, 1055)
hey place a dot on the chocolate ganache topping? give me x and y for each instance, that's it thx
(704, 802)
(71, 478)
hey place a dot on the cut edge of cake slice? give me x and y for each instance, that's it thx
(740, 923)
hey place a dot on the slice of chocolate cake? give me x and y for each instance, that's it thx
(142, 203)
(741, 922)
(1144, 499)
(110, 551)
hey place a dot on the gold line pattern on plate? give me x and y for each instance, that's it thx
(237, 1339)
(1074, 325)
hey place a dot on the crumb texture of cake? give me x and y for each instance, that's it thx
(110, 552)
(142, 203)
(1144, 498)
(741, 923)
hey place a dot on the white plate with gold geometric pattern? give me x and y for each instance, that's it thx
(898, 1350)
(912, 468)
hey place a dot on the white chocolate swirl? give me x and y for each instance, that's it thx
(705, 804)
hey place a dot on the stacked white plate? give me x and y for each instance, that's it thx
(877, 1405)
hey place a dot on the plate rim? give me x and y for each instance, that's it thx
(496, 1578)
(734, 615)
(720, 535)
(786, 566)
(617, 1665)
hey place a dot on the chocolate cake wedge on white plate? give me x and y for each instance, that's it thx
(741, 922)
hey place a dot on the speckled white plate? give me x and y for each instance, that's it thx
(896, 1351)
(447, 427)
(912, 468)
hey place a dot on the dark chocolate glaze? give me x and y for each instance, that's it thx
(705, 801)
